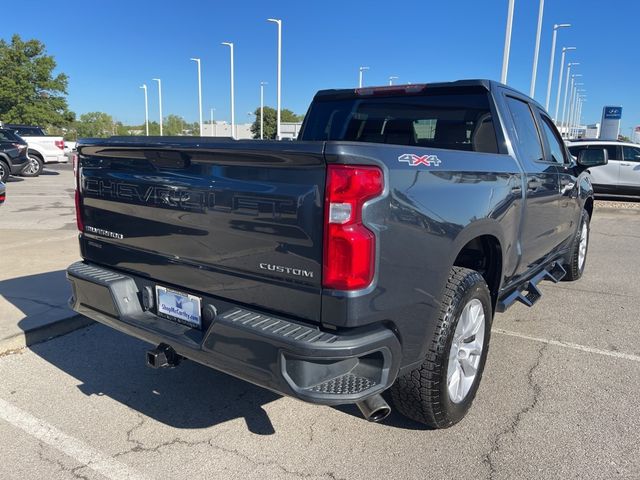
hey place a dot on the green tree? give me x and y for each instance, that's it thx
(174, 125)
(29, 91)
(95, 124)
(270, 120)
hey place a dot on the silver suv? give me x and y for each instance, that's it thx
(621, 175)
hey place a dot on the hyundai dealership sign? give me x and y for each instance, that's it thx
(613, 113)
(610, 127)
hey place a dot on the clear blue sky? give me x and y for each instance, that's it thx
(110, 48)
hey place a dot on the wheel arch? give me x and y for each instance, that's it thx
(481, 249)
(36, 153)
(588, 206)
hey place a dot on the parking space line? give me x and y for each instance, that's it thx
(573, 346)
(72, 447)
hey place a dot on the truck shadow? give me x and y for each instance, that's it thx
(110, 363)
(191, 396)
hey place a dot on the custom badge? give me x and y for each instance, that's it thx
(414, 160)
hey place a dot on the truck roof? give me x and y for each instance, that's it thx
(415, 88)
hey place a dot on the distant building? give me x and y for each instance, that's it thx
(593, 131)
(223, 129)
(636, 135)
(290, 130)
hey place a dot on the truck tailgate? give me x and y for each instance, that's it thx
(239, 220)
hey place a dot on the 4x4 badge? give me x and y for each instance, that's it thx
(415, 160)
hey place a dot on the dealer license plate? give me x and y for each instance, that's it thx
(179, 307)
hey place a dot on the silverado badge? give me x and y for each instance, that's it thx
(414, 160)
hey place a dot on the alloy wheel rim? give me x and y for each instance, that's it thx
(466, 351)
(2, 172)
(582, 247)
(32, 168)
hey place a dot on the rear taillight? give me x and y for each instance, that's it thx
(3, 197)
(60, 144)
(76, 172)
(349, 246)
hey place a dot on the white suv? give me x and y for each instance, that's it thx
(621, 175)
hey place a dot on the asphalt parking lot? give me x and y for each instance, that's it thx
(559, 398)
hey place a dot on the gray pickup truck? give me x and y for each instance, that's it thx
(369, 255)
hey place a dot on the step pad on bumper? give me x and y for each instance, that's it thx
(278, 326)
(348, 384)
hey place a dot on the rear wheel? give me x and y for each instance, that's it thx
(579, 249)
(4, 172)
(440, 392)
(34, 167)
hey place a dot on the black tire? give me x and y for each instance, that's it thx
(422, 394)
(34, 167)
(4, 171)
(574, 267)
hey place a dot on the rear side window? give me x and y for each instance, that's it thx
(526, 130)
(451, 121)
(9, 136)
(631, 154)
(28, 131)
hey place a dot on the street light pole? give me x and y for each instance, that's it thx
(214, 127)
(566, 124)
(532, 90)
(233, 105)
(579, 117)
(574, 113)
(278, 87)
(572, 102)
(146, 108)
(552, 62)
(197, 60)
(566, 91)
(507, 42)
(559, 92)
(361, 69)
(159, 101)
(391, 79)
(262, 84)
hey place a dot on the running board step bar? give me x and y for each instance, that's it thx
(529, 293)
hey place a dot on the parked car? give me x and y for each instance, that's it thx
(13, 154)
(43, 148)
(369, 255)
(622, 174)
(3, 193)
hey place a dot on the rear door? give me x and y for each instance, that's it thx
(539, 234)
(239, 220)
(556, 153)
(630, 167)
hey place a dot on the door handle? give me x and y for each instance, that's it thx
(533, 184)
(566, 185)
(625, 164)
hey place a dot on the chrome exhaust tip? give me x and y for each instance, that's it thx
(374, 409)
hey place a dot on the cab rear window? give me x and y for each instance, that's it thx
(450, 121)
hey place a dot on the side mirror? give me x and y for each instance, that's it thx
(593, 157)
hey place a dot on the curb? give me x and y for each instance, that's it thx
(44, 333)
(623, 211)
